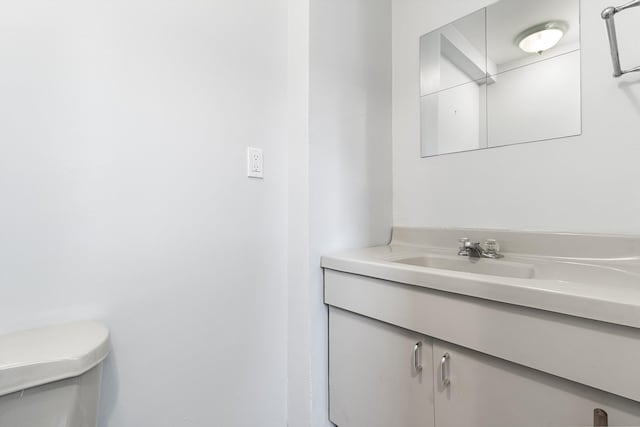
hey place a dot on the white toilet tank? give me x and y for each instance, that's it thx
(50, 377)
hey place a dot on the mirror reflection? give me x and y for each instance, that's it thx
(454, 54)
(454, 120)
(538, 102)
(504, 75)
(521, 32)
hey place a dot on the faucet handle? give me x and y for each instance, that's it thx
(463, 249)
(492, 246)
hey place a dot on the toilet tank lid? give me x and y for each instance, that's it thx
(39, 356)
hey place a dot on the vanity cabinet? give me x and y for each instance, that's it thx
(380, 375)
(484, 391)
(505, 366)
(379, 378)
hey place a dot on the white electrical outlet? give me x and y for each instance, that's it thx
(255, 167)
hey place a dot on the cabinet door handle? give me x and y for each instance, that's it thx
(600, 418)
(416, 356)
(443, 370)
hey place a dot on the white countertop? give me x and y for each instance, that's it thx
(589, 284)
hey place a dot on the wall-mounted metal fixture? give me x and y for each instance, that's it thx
(608, 15)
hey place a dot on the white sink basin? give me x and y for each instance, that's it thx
(473, 265)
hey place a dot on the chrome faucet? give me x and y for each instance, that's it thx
(475, 250)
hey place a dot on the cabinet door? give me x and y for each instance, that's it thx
(476, 390)
(373, 380)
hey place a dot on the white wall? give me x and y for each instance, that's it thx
(123, 132)
(299, 290)
(348, 160)
(586, 183)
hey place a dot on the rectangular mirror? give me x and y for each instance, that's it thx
(506, 74)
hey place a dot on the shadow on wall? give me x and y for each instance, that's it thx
(631, 89)
(110, 387)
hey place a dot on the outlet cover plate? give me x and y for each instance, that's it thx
(255, 165)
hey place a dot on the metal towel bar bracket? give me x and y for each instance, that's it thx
(608, 15)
